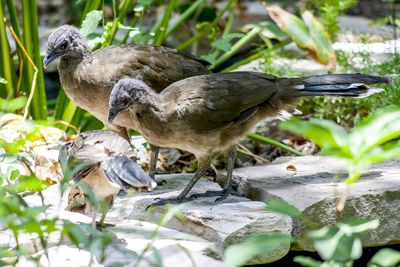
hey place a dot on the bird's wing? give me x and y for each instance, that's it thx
(97, 146)
(156, 65)
(127, 174)
(212, 102)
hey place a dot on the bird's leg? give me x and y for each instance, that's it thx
(228, 190)
(153, 160)
(93, 215)
(181, 197)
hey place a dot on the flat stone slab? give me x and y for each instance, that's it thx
(222, 223)
(311, 189)
(202, 230)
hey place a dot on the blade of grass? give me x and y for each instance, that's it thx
(185, 15)
(33, 86)
(160, 34)
(132, 24)
(40, 93)
(275, 143)
(237, 46)
(7, 64)
(200, 34)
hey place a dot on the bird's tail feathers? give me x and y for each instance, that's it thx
(127, 174)
(340, 85)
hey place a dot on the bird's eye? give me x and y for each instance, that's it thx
(64, 45)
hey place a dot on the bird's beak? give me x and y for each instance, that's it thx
(112, 113)
(49, 57)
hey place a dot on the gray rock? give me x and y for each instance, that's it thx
(223, 223)
(311, 189)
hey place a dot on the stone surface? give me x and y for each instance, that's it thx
(202, 229)
(222, 223)
(311, 188)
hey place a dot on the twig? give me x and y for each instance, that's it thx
(33, 86)
(244, 150)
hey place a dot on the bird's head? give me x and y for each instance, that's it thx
(66, 40)
(125, 93)
(76, 200)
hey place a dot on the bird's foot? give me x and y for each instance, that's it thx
(164, 201)
(223, 194)
(160, 182)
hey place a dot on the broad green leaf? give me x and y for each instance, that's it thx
(379, 128)
(281, 206)
(2, 80)
(13, 104)
(323, 48)
(211, 58)
(307, 261)
(327, 135)
(240, 254)
(270, 30)
(386, 257)
(325, 241)
(222, 44)
(308, 34)
(92, 19)
(385, 152)
(358, 225)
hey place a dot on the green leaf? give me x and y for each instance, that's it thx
(307, 261)
(13, 104)
(92, 19)
(329, 136)
(240, 254)
(2, 80)
(222, 44)
(281, 206)
(386, 257)
(308, 33)
(358, 225)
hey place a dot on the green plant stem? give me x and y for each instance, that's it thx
(125, 5)
(14, 18)
(40, 93)
(160, 34)
(200, 34)
(185, 15)
(7, 64)
(237, 46)
(267, 140)
(245, 61)
(89, 6)
(132, 24)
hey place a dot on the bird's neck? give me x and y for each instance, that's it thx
(146, 99)
(74, 59)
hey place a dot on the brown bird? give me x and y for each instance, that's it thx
(209, 113)
(88, 78)
(103, 164)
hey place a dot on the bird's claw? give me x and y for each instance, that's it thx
(160, 182)
(163, 201)
(222, 194)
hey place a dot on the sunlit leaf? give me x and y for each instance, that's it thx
(92, 19)
(281, 206)
(2, 80)
(12, 105)
(307, 261)
(327, 135)
(386, 257)
(307, 33)
(240, 254)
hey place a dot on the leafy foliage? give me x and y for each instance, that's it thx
(368, 143)
(307, 33)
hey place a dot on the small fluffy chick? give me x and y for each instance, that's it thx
(103, 164)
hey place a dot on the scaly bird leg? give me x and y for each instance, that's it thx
(181, 197)
(153, 160)
(228, 190)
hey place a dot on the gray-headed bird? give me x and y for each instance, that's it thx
(209, 113)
